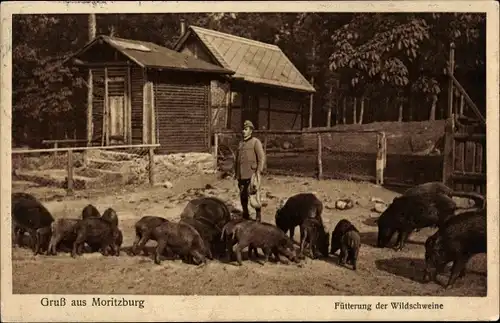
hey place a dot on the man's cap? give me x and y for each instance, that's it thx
(249, 124)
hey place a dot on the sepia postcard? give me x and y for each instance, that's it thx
(249, 161)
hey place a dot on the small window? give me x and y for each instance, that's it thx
(236, 99)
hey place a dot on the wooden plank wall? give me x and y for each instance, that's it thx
(137, 97)
(182, 113)
(97, 103)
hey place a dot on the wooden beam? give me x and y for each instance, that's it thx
(469, 177)
(70, 173)
(153, 112)
(129, 105)
(209, 119)
(145, 119)
(90, 96)
(230, 108)
(51, 150)
(467, 97)
(227, 99)
(79, 63)
(451, 67)
(311, 103)
(448, 154)
(268, 111)
(329, 113)
(477, 137)
(381, 161)
(105, 118)
(319, 157)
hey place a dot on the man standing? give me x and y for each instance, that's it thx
(249, 164)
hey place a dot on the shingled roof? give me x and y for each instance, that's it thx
(253, 61)
(147, 54)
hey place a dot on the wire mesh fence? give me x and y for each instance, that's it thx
(324, 154)
(337, 154)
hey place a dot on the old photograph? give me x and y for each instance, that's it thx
(249, 153)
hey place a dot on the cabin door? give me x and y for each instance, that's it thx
(116, 104)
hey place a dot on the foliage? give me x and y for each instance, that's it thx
(401, 49)
(369, 54)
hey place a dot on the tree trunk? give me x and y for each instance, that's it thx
(329, 113)
(400, 116)
(432, 115)
(386, 110)
(354, 112)
(90, 83)
(344, 108)
(362, 110)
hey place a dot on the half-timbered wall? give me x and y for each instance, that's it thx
(273, 113)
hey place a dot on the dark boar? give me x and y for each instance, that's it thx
(228, 236)
(181, 239)
(429, 188)
(313, 233)
(266, 237)
(28, 214)
(117, 240)
(208, 215)
(63, 232)
(341, 228)
(144, 232)
(296, 209)
(95, 231)
(456, 241)
(349, 248)
(110, 216)
(90, 211)
(407, 213)
(209, 209)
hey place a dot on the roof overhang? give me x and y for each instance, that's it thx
(99, 40)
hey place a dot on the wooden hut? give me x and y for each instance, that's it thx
(145, 93)
(266, 88)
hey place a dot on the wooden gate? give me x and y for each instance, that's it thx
(464, 166)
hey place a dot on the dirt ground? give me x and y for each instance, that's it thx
(380, 271)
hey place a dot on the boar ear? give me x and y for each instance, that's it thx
(281, 203)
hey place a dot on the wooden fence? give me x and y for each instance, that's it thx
(465, 139)
(22, 155)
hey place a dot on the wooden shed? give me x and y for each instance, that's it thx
(266, 88)
(145, 93)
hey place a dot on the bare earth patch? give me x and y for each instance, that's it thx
(380, 271)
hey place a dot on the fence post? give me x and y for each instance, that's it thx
(451, 68)
(55, 152)
(320, 158)
(151, 166)
(448, 156)
(381, 157)
(70, 173)
(216, 150)
(265, 151)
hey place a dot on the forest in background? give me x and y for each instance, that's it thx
(381, 57)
